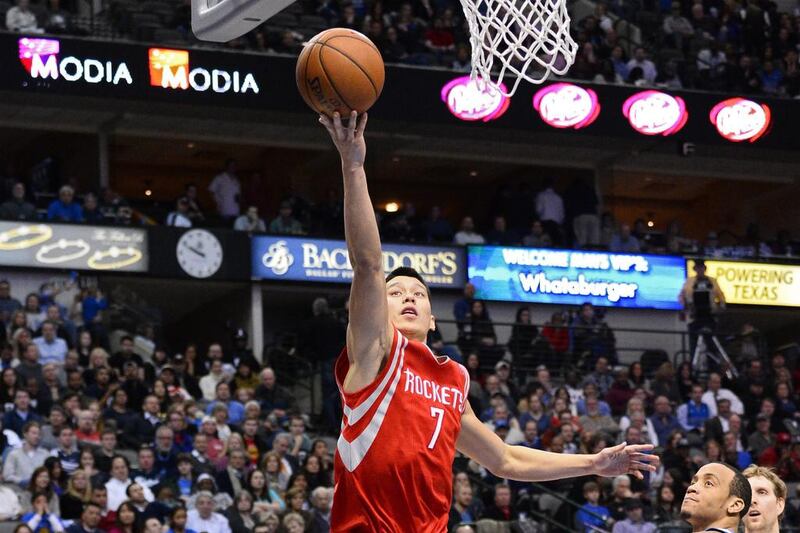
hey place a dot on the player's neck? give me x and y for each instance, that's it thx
(727, 523)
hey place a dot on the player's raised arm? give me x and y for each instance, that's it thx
(369, 335)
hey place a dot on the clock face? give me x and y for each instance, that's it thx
(199, 253)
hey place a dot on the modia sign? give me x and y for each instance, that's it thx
(170, 69)
(42, 59)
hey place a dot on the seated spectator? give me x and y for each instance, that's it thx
(76, 496)
(500, 234)
(67, 450)
(523, 334)
(209, 382)
(232, 478)
(664, 422)
(88, 431)
(677, 28)
(467, 234)
(436, 228)
(479, 332)
(141, 428)
(250, 221)
(693, 414)
(194, 213)
(241, 515)
(634, 521)
(21, 462)
(717, 426)
(90, 520)
(537, 238)
(165, 451)
(601, 377)
(635, 409)
(56, 19)
(223, 397)
(147, 475)
(180, 217)
(17, 418)
(117, 486)
(591, 515)
(591, 338)
(10, 506)
(593, 421)
(285, 223)
(620, 392)
(502, 507)
(42, 519)
(21, 19)
(65, 209)
(624, 241)
(771, 78)
(17, 208)
(557, 333)
(204, 519)
(52, 349)
(741, 459)
(301, 444)
(647, 67)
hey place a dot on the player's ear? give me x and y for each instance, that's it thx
(781, 504)
(735, 506)
(432, 325)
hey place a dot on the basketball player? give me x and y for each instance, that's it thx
(717, 499)
(405, 408)
(769, 500)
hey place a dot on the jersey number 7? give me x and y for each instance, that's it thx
(438, 414)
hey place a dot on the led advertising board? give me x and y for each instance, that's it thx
(551, 276)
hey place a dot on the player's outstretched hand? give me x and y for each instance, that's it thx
(349, 140)
(624, 459)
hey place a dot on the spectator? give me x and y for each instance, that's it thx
(771, 78)
(17, 418)
(624, 241)
(550, 210)
(194, 213)
(591, 338)
(204, 519)
(57, 20)
(634, 519)
(715, 392)
(180, 217)
(466, 233)
(321, 500)
(67, 450)
(77, 494)
(42, 518)
(88, 428)
(275, 399)
(693, 414)
(523, 333)
(226, 189)
(580, 201)
(52, 349)
(591, 515)
(41, 483)
(89, 520)
(117, 486)
(594, 421)
(285, 223)
(141, 428)
(437, 229)
(640, 60)
(21, 19)
(250, 221)
(223, 397)
(502, 507)
(21, 462)
(677, 28)
(664, 422)
(209, 382)
(537, 238)
(500, 235)
(65, 209)
(17, 208)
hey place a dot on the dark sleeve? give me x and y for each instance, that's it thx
(134, 431)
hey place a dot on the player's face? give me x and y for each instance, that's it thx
(765, 507)
(409, 307)
(708, 497)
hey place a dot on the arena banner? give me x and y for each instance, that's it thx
(552, 276)
(755, 283)
(74, 247)
(306, 259)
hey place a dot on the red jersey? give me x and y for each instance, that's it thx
(394, 458)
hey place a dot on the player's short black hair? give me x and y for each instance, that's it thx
(409, 273)
(740, 488)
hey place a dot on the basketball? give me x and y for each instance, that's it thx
(340, 70)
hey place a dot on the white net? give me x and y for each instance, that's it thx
(524, 39)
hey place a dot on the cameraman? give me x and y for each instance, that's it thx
(703, 300)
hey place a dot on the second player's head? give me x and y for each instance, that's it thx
(409, 302)
(769, 500)
(719, 495)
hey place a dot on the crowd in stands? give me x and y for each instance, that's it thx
(747, 47)
(518, 216)
(130, 440)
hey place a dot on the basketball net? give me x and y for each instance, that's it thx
(524, 39)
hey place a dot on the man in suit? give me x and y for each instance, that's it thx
(717, 426)
(22, 413)
(141, 429)
(90, 519)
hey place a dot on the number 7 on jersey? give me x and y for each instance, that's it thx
(438, 414)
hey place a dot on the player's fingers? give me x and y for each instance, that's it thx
(362, 124)
(650, 458)
(639, 448)
(619, 447)
(326, 122)
(638, 465)
(351, 126)
(337, 125)
(637, 474)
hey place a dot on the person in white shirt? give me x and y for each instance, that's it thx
(117, 486)
(250, 221)
(180, 217)
(52, 349)
(549, 205)
(203, 518)
(20, 18)
(209, 382)
(640, 60)
(716, 392)
(10, 508)
(21, 462)
(467, 235)
(227, 190)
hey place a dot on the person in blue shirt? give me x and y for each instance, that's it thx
(65, 209)
(235, 409)
(591, 515)
(41, 520)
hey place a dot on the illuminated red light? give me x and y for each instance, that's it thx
(564, 105)
(655, 113)
(737, 119)
(468, 101)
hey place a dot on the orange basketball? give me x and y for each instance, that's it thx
(340, 70)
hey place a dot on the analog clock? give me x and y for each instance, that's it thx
(199, 253)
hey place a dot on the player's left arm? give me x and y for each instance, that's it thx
(479, 443)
